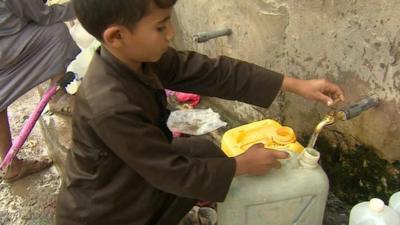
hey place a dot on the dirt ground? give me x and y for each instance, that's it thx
(32, 200)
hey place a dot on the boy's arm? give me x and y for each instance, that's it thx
(41, 13)
(317, 89)
(144, 148)
(222, 77)
(233, 79)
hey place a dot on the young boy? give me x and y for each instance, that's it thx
(35, 46)
(124, 168)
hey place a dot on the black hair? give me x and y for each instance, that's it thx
(96, 15)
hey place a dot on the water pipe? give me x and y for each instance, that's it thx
(357, 108)
(206, 36)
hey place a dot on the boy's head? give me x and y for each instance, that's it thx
(139, 30)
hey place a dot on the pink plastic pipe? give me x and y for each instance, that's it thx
(27, 128)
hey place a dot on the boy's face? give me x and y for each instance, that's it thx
(150, 37)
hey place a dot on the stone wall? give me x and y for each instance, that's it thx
(353, 43)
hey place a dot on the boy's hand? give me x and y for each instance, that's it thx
(318, 89)
(258, 160)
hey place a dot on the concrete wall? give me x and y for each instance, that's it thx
(353, 43)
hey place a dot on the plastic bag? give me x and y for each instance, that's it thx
(183, 97)
(194, 121)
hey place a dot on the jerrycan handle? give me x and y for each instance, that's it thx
(288, 162)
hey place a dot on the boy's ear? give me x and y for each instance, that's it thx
(112, 36)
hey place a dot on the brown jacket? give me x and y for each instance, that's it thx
(124, 168)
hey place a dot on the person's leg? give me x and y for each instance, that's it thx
(5, 134)
(47, 50)
(5, 143)
(61, 102)
(63, 51)
(18, 168)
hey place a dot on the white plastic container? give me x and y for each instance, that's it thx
(88, 44)
(294, 194)
(394, 202)
(374, 212)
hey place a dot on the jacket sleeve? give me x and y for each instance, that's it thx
(144, 147)
(222, 77)
(40, 13)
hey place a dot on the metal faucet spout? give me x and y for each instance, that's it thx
(343, 114)
(328, 120)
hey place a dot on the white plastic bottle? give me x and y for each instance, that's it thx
(374, 212)
(394, 202)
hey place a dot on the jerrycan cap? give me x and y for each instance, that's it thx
(284, 135)
(376, 205)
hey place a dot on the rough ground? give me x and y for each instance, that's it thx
(30, 201)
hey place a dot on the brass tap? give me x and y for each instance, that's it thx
(343, 114)
(328, 120)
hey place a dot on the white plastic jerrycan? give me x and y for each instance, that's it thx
(394, 202)
(294, 194)
(374, 212)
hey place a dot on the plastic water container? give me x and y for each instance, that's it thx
(294, 194)
(374, 212)
(82, 38)
(269, 132)
(394, 202)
